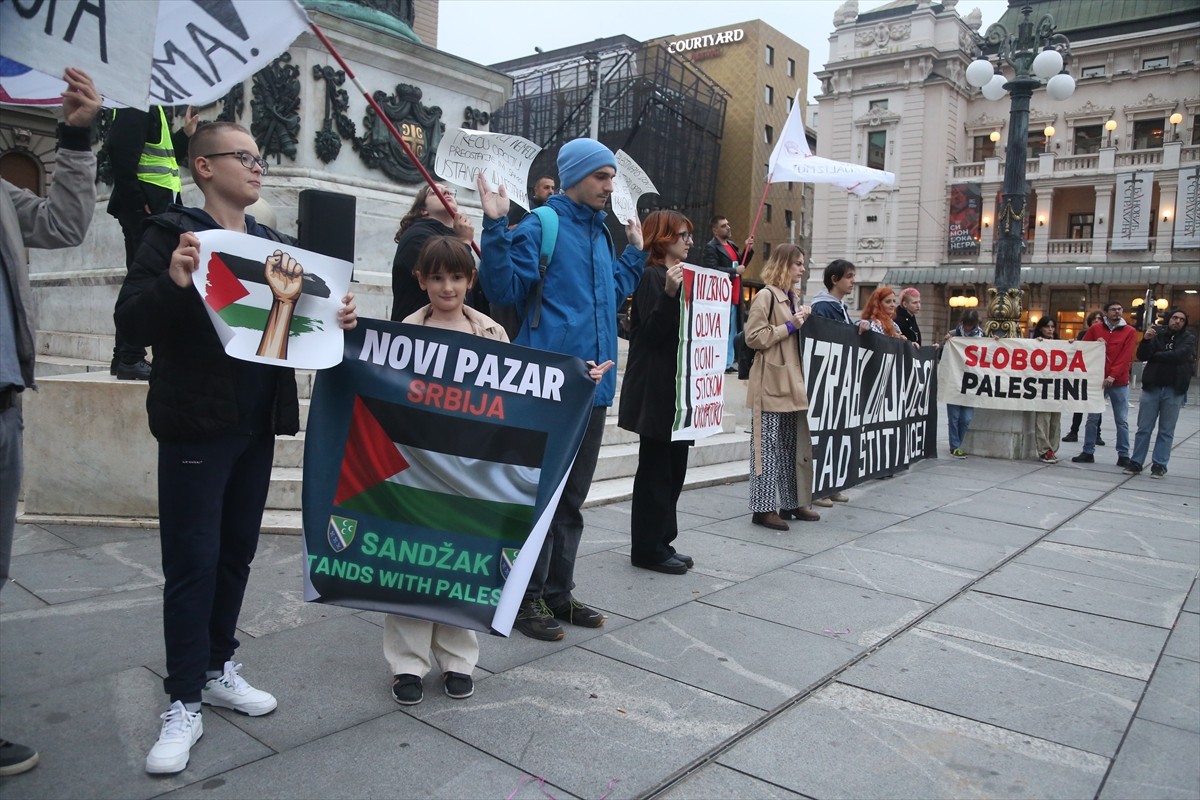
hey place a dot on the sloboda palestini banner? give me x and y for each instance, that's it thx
(433, 462)
(1022, 374)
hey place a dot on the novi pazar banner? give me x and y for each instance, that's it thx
(872, 403)
(706, 297)
(270, 302)
(1022, 374)
(433, 461)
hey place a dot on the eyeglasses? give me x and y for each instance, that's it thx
(248, 161)
(684, 234)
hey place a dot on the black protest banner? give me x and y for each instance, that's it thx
(872, 403)
(432, 460)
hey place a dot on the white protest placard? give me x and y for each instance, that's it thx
(1022, 374)
(139, 52)
(706, 296)
(631, 183)
(270, 302)
(504, 160)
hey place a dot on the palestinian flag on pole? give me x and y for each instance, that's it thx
(439, 472)
(236, 289)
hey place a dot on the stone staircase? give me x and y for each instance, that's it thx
(718, 459)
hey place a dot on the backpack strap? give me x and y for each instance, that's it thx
(548, 217)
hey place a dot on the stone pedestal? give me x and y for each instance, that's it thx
(1001, 434)
(88, 451)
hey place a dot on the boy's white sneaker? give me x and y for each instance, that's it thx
(230, 690)
(180, 730)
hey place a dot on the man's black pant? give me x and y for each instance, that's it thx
(132, 226)
(661, 469)
(553, 575)
(211, 497)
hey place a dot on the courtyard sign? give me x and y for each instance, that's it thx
(707, 40)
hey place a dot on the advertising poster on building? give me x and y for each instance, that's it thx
(872, 403)
(1132, 228)
(965, 204)
(706, 298)
(1023, 374)
(1187, 210)
(433, 462)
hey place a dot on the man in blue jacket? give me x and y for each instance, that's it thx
(581, 292)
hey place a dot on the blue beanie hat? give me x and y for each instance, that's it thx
(581, 157)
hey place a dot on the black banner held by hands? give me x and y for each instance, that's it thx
(872, 403)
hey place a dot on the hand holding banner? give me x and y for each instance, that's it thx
(270, 302)
(504, 160)
(631, 183)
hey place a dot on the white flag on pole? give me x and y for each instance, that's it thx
(793, 162)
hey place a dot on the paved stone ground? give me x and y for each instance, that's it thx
(966, 629)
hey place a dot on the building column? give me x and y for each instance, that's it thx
(1167, 195)
(1102, 222)
(1041, 233)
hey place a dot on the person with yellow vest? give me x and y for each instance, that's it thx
(142, 150)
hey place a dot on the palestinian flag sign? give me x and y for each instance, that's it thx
(433, 462)
(250, 285)
(706, 296)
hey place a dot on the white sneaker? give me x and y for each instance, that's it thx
(180, 730)
(231, 691)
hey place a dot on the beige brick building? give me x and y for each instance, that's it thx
(764, 72)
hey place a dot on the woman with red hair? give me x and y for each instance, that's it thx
(648, 395)
(880, 312)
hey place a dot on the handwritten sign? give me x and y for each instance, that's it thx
(631, 183)
(703, 345)
(191, 52)
(502, 159)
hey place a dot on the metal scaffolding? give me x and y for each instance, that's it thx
(661, 109)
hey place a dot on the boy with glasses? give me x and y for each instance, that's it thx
(215, 418)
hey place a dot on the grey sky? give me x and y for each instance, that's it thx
(488, 31)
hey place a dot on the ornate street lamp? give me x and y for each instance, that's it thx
(1036, 55)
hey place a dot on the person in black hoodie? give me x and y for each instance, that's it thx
(215, 418)
(427, 218)
(1169, 353)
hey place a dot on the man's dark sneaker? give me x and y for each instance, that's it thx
(1123, 462)
(688, 561)
(1158, 471)
(1132, 469)
(577, 613)
(112, 366)
(16, 758)
(1099, 442)
(1072, 436)
(535, 620)
(458, 685)
(407, 690)
(1084, 458)
(137, 371)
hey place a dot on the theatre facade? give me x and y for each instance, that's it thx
(1113, 172)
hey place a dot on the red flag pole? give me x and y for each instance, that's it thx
(761, 203)
(390, 126)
